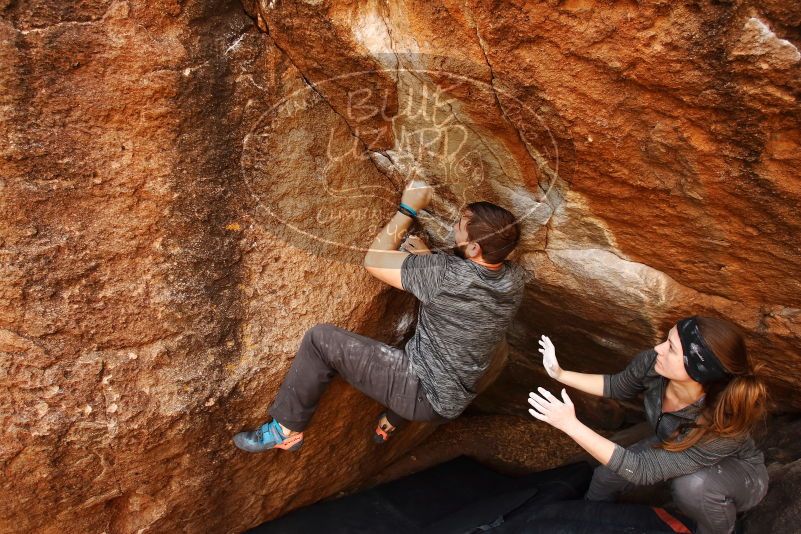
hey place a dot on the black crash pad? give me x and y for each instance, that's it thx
(464, 496)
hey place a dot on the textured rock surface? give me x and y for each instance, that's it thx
(146, 313)
(665, 136)
(510, 444)
(178, 205)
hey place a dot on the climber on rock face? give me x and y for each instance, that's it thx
(702, 398)
(467, 301)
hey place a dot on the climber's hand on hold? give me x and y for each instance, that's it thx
(415, 245)
(560, 414)
(549, 358)
(417, 194)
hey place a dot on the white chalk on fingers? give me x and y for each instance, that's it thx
(536, 415)
(538, 406)
(537, 399)
(547, 394)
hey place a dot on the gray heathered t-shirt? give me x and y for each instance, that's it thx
(464, 312)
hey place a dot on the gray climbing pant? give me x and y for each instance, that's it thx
(376, 369)
(712, 497)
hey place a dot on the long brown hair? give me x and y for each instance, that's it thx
(731, 408)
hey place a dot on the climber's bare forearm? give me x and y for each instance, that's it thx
(588, 383)
(390, 237)
(383, 260)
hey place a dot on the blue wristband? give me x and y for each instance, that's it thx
(411, 210)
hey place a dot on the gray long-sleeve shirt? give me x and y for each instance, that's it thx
(655, 464)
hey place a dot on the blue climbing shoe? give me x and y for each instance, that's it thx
(268, 436)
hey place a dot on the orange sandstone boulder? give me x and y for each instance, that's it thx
(186, 187)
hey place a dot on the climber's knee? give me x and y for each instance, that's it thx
(688, 493)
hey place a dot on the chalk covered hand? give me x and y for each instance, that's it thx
(415, 245)
(549, 358)
(417, 195)
(560, 414)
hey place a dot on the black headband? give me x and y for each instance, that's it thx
(700, 362)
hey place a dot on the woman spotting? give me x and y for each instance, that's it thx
(702, 398)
